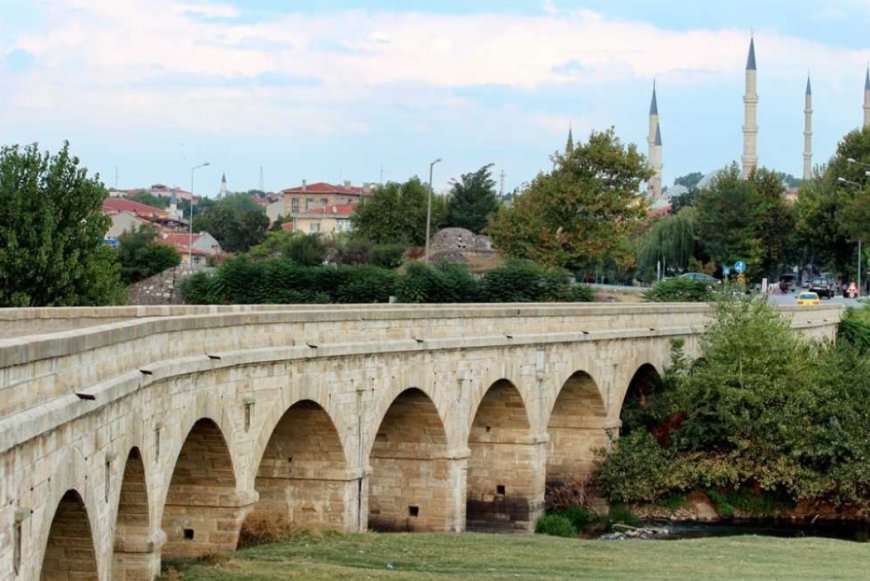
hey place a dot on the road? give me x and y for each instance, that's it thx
(791, 298)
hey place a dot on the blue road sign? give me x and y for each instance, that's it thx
(726, 271)
(739, 267)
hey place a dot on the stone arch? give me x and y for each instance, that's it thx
(505, 482)
(302, 479)
(410, 487)
(69, 552)
(577, 427)
(202, 513)
(134, 556)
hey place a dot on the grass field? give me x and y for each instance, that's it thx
(496, 557)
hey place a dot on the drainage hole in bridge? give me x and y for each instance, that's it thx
(289, 459)
(500, 489)
(413, 511)
(188, 534)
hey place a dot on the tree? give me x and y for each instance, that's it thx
(236, 221)
(745, 219)
(473, 200)
(580, 214)
(396, 213)
(689, 181)
(141, 255)
(51, 232)
(672, 240)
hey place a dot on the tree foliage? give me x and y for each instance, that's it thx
(671, 239)
(236, 221)
(396, 213)
(745, 219)
(582, 212)
(51, 232)
(141, 255)
(472, 200)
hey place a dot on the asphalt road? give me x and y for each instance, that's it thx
(791, 299)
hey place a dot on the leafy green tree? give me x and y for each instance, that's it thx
(51, 232)
(672, 240)
(396, 213)
(582, 212)
(148, 199)
(689, 181)
(473, 200)
(236, 221)
(306, 249)
(141, 255)
(745, 219)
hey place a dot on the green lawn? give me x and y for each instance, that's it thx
(476, 556)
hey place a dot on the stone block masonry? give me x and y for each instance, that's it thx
(132, 434)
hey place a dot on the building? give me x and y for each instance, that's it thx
(308, 197)
(160, 190)
(328, 220)
(199, 247)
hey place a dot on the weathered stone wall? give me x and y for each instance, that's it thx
(165, 400)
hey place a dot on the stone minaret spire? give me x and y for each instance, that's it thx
(223, 192)
(654, 143)
(750, 127)
(867, 98)
(808, 131)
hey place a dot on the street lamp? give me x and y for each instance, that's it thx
(429, 207)
(860, 261)
(190, 237)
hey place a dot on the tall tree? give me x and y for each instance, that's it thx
(51, 232)
(236, 221)
(396, 213)
(581, 213)
(141, 255)
(672, 240)
(473, 199)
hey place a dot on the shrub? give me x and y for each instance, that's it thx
(679, 290)
(621, 514)
(366, 284)
(579, 516)
(520, 281)
(855, 328)
(306, 250)
(556, 525)
(388, 255)
(196, 289)
(446, 282)
(635, 471)
(355, 251)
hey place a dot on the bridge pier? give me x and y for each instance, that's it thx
(133, 561)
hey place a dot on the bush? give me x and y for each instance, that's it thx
(556, 525)
(196, 289)
(621, 514)
(636, 470)
(521, 281)
(580, 517)
(355, 251)
(680, 290)
(306, 250)
(855, 328)
(142, 255)
(388, 255)
(446, 282)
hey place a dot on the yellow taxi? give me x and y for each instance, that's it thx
(806, 299)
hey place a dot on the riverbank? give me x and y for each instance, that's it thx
(500, 557)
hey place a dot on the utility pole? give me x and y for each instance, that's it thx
(501, 184)
(262, 183)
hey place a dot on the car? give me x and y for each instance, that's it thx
(807, 299)
(701, 277)
(789, 280)
(822, 287)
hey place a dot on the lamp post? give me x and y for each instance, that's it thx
(190, 236)
(860, 258)
(429, 207)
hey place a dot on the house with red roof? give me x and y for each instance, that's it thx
(326, 220)
(308, 198)
(198, 247)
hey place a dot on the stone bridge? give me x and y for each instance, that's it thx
(128, 435)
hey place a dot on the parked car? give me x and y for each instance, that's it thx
(787, 282)
(822, 287)
(700, 276)
(806, 299)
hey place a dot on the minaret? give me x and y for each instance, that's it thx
(808, 132)
(223, 192)
(867, 98)
(654, 143)
(750, 127)
(569, 145)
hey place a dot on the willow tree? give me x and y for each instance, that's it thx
(581, 213)
(671, 240)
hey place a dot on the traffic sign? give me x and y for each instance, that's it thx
(739, 267)
(726, 271)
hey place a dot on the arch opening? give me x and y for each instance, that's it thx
(202, 514)
(637, 409)
(505, 483)
(133, 557)
(69, 552)
(410, 486)
(302, 478)
(577, 427)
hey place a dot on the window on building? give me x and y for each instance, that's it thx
(324, 202)
(314, 228)
(294, 206)
(308, 203)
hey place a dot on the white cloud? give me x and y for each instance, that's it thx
(99, 60)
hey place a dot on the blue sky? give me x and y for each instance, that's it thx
(331, 89)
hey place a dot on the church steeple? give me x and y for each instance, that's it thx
(808, 131)
(750, 105)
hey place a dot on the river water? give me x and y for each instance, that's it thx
(850, 531)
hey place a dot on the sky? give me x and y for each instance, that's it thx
(333, 90)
